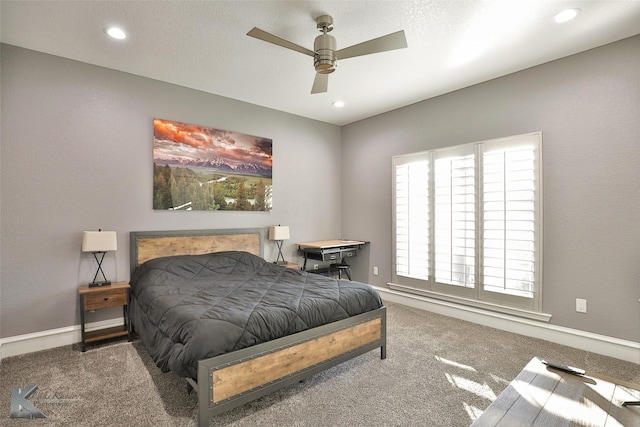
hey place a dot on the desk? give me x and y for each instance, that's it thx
(329, 250)
(543, 396)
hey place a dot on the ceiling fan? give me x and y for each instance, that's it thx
(324, 53)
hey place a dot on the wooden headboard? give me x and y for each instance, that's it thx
(147, 245)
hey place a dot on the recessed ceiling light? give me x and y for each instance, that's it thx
(566, 15)
(116, 33)
(338, 104)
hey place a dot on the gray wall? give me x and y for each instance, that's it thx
(588, 108)
(76, 154)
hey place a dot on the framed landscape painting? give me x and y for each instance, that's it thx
(202, 168)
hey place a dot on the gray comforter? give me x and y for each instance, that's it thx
(187, 308)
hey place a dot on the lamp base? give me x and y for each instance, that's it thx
(98, 284)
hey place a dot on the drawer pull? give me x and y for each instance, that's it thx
(106, 298)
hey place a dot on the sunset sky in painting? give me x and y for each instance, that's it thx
(173, 141)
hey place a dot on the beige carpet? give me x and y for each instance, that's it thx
(439, 372)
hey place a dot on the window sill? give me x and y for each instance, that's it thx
(471, 305)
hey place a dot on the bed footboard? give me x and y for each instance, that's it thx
(230, 380)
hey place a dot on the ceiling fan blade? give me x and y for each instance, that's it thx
(320, 83)
(391, 41)
(267, 37)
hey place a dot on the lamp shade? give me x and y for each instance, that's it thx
(279, 232)
(99, 241)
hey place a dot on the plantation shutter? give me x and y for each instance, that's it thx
(467, 223)
(412, 218)
(510, 217)
(454, 224)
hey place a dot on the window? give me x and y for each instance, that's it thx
(467, 222)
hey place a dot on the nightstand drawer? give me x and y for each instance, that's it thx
(104, 299)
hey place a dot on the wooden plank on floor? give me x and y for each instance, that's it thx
(619, 415)
(532, 397)
(577, 400)
(546, 397)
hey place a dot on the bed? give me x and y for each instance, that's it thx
(297, 323)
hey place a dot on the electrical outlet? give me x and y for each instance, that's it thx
(315, 266)
(375, 270)
(581, 305)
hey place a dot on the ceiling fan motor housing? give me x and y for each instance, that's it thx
(324, 60)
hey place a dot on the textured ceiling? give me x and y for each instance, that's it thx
(203, 45)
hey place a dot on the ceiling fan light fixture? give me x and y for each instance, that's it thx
(324, 64)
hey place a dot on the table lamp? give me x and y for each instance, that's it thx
(279, 233)
(99, 242)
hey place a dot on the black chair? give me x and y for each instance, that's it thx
(339, 268)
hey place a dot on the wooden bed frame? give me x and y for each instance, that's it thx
(233, 379)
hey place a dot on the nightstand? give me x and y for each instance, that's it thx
(115, 295)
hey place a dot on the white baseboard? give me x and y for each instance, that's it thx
(600, 344)
(595, 343)
(28, 343)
